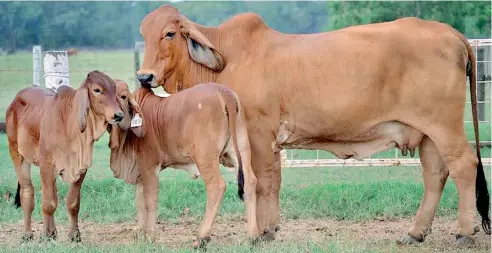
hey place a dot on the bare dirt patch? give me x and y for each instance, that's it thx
(379, 235)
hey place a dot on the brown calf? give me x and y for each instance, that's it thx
(56, 131)
(200, 127)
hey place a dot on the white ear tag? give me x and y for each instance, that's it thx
(136, 121)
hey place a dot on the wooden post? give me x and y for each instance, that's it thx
(36, 65)
(56, 69)
(136, 60)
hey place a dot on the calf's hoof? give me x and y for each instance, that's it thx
(201, 243)
(464, 241)
(409, 240)
(74, 236)
(27, 238)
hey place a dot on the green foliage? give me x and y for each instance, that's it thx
(471, 18)
(116, 24)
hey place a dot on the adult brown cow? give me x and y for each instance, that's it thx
(353, 92)
(57, 131)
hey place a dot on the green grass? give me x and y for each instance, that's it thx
(269, 248)
(336, 193)
(305, 193)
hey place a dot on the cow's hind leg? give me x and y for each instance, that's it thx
(435, 175)
(25, 192)
(214, 183)
(462, 164)
(50, 199)
(73, 206)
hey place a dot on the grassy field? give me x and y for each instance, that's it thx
(358, 209)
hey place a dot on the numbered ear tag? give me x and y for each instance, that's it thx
(136, 121)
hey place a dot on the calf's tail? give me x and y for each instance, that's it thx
(232, 110)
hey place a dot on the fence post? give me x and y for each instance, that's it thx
(136, 60)
(56, 69)
(36, 65)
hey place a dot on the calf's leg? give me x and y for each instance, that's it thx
(50, 198)
(141, 212)
(26, 192)
(214, 183)
(73, 206)
(150, 190)
(435, 175)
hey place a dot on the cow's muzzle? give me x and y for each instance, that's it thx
(146, 80)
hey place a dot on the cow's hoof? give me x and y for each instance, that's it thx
(409, 240)
(27, 238)
(201, 243)
(75, 236)
(464, 241)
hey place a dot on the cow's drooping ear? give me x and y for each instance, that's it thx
(201, 49)
(83, 104)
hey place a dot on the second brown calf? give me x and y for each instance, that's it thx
(198, 127)
(56, 131)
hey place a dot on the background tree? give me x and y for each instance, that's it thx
(57, 25)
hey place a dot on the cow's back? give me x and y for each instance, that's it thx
(349, 70)
(23, 120)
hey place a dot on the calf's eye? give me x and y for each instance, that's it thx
(97, 90)
(123, 97)
(169, 35)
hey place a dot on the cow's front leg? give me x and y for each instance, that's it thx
(150, 190)
(267, 187)
(73, 206)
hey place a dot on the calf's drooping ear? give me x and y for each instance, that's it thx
(138, 130)
(201, 49)
(83, 104)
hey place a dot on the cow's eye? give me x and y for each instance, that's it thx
(123, 97)
(97, 90)
(169, 35)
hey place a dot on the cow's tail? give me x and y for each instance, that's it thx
(232, 108)
(482, 193)
(11, 129)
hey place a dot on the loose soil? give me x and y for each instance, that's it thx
(378, 234)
